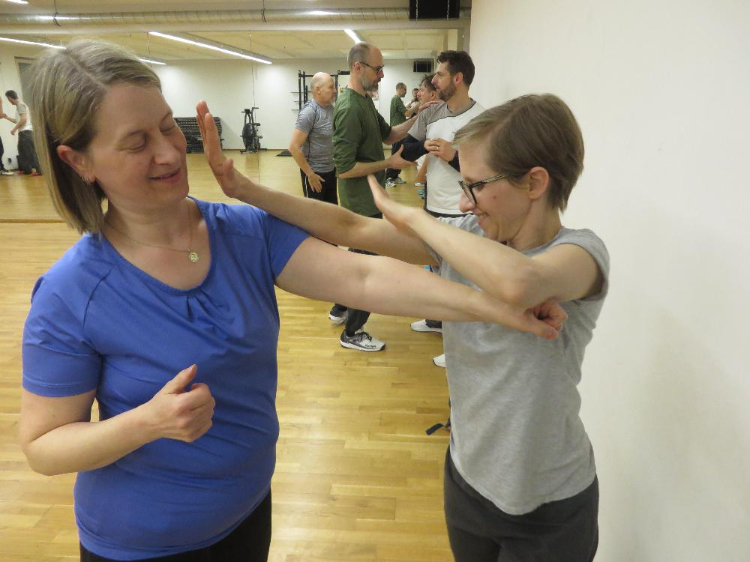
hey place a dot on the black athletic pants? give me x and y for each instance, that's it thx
(358, 318)
(392, 173)
(559, 531)
(249, 542)
(329, 192)
(27, 159)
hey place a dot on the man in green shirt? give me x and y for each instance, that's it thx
(359, 132)
(398, 115)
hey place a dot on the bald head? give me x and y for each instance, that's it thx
(319, 79)
(322, 88)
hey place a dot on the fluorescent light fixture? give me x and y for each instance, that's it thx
(209, 46)
(152, 61)
(353, 35)
(49, 45)
(35, 43)
(18, 1)
(320, 13)
(61, 18)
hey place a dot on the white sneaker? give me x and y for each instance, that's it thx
(361, 341)
(439, 360)
(390, 183)
(337, 316)
(424, 326)
(6, 172)
(418, 184)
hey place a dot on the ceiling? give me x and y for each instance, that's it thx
(274, 29)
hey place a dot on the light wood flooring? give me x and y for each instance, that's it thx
(357, 479)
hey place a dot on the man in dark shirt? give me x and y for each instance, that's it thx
(359, 132)
(398, 115)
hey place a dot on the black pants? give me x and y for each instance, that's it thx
(329, 192)
(2, 151)
(249, 542)
(27, 159)
(392, 173)
(559, 531)
(358, 318)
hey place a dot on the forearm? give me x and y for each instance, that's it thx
(413, 149)
(502, 272)
(328, 222)
(364, 168)
(393, 287)
(81, 446)
(400, 131)
(300, 159)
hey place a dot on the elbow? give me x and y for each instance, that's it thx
(522, 289)
(36, 463)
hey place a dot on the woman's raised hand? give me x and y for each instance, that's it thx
(397, 214)
(232, 183)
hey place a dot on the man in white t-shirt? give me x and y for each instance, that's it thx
(28, 162)
(433, 134)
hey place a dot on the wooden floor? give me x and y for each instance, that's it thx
(357, 479)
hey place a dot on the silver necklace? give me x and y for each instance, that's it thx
(192, 254)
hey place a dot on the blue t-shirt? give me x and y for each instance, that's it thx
(98, 322)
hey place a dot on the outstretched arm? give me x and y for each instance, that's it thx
(328, 222)
(564, 273)
(323, 272)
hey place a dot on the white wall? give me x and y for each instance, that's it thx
(230, 86)
(661, 92)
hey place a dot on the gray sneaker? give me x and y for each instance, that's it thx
(6, 172)
(361, 341)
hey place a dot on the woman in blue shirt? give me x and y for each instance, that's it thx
(165, 313)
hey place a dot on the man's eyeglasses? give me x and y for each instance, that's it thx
(377, 69)
(470, 187)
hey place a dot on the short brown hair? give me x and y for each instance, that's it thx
(358, 53)
(458, 61)
(67, 88)
(528, 131)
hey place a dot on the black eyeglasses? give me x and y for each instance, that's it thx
(470, 187)
(377, 69)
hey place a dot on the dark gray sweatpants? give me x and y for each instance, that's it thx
(559, 531)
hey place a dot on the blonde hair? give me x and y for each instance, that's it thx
(528, 131)
(66, 91)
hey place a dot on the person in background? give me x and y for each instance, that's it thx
(432, 135)
(28, 163)
(398, 114)
(426, 93)
(3, 170)
(311, 147)
(359, 132)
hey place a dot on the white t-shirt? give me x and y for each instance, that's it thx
(21, 108)
(437, 121)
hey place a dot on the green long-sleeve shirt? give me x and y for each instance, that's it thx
(358, 135)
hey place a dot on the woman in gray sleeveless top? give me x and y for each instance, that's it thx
(520, 478)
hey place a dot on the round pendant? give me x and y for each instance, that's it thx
(193, 256)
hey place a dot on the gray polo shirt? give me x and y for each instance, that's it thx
(517, 437)
(317, 122)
